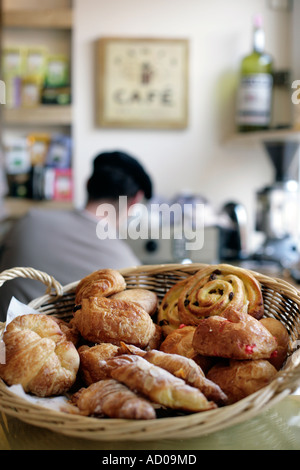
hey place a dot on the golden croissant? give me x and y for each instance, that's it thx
(103, 283)
(38, 356)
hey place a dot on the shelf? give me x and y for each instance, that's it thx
(48, 18)
(269, 135)
(17, 207)
(40, 115)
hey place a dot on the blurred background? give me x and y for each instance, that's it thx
(50, 131)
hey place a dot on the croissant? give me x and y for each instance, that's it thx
(112, 399)
(38, 356)
(183, 368)
(103, 282)
(216, 290)
(237, 337)
(101, 319)
(157, 384)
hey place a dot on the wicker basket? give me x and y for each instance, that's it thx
(281, 300)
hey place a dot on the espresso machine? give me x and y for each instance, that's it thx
(277, 215)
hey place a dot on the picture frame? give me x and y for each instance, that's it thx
(142, 83)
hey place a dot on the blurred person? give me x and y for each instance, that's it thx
(64, 243)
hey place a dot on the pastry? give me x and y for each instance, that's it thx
(146, 299)
(113, 399)
(183, 368)
(89, 360)
(238, 379)
(180, 341)
(235, 337)
(216, 290)
(157, 384)
(101, 319)
(38, 356)
(103, 283)
(278, 330)
(167, 316)
(69, 330)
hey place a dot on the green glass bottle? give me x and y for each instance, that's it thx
(254, 100)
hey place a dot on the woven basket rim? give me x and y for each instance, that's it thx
(175, 427)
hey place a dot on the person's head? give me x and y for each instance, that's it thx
(118, 174)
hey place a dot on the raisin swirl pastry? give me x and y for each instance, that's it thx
(216, 290)
(167, 317)
(38, 356)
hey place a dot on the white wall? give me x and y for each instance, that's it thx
(196, 158)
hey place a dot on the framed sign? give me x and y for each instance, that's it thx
(142, 83)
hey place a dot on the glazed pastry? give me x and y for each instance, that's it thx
(89, 360)
(113, 399)
(101, 283)
(38, 356)
(180, 341)
(216, 290)
(110, 320)
(238, 379)
(235, 337)
(157, 384)
(183, 368)
(168, 317)
(146, 299)
(278, 330)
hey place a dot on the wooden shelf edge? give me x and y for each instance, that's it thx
(292, 134)
(44, 114)
(50, 18)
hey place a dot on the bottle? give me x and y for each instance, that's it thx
(254, 104)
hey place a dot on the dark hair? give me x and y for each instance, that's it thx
(117, 174)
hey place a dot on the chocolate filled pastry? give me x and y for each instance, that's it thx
(167, 316)
(216, 290)
(113, 399)
(101, 319)
(38, 356)
(239, 379)
(146, 299)
(183, 368)
(89, 360)
(278, 330)
(103, 283)
(236, 337)
(180, 341)
(155, 383)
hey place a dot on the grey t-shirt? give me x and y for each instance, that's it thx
(63, 244)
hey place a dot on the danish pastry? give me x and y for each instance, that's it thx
(38, 356)
(101, 319)
(145, 298)
(235, 337)
(113, 399)
(278, 330)
(103, 282)
(215, 290)
(157, 384)
(180, 341)
(238, 379)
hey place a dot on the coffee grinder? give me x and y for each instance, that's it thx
(278, 207)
